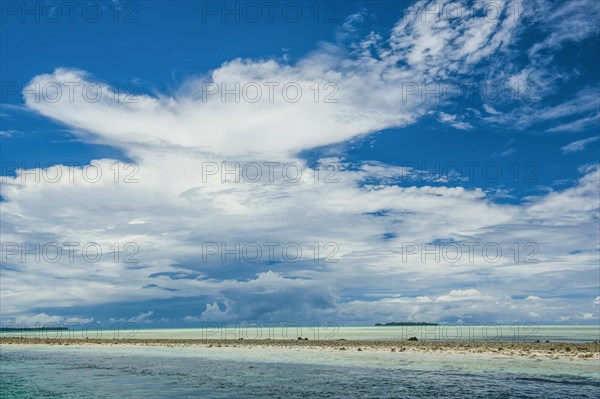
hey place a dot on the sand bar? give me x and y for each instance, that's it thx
(542, 350)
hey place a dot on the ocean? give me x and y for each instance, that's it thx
(283, 331)
(127, 371)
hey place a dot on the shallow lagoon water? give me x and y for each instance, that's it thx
(94, 371)
(490, 333)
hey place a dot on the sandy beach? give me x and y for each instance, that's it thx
(542, 350)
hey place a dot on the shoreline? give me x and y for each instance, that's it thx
(541, 350)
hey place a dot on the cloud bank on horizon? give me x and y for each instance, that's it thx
(331, 240)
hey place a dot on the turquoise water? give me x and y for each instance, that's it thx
(40, 371)
(516, 333)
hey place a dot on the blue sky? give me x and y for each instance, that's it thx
(440, 124)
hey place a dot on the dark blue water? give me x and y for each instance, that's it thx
(34, 372)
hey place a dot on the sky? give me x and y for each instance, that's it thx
(171, 164)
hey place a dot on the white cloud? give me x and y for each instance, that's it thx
(373, 92)
(142, 317)
(583, 102)
(242, 212)
(468, 306)
(46, 320)
(10, 133)
(576, 204)
(452, 121)
(172, 137)
(507, 152)
(572, 21)
(460, 295)
(490, 110)
(577, 125)
(579, 145)
(542, 77)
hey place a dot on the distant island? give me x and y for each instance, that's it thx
(404, 323)
(34, 329)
